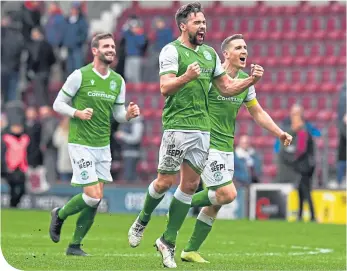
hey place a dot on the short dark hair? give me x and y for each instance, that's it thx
(184, 11)
(98, 37)
(227, 41)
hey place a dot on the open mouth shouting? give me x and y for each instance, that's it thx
(200, 36)
(243, 60)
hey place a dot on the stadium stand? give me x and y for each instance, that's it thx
(302, 46)
(303, 56)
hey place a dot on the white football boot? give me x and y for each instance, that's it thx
(167, 253)
(135, 233)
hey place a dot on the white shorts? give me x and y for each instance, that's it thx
(90, 165)
(177, 146)
(219, 169)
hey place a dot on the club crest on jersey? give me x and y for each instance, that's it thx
(207, 55)
(113, 85)
(92, 82)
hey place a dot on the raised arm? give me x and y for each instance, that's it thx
(170, 83)
(231, 87)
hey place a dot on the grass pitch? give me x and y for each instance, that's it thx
(232, 245)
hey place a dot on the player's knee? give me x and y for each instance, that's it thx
(226, 194)
(190, 187)
(164, 182)
(91, 201)
(215, 208)
(230, 197)
(94, 192)
(100, 194)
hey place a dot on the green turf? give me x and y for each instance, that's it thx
(232, 245)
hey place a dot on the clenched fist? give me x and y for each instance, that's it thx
(133, 111)
(85, 114)
(286, 139)
(257, 72)
(193, 71)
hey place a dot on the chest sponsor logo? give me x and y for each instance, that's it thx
(234, 100)
(206, 70)
(101, 94)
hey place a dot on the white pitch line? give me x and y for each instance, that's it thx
(46, 236)
(255, 254)
(306, 250)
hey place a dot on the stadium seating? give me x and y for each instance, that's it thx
(302, 48)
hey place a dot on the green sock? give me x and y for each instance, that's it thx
(73, 206)
(83, 224)
(177, 213)
(149, 206)
(200, 233)
(201, 199)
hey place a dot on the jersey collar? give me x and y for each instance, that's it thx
(102, 76)
(196, 49)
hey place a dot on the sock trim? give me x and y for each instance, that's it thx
(183, 197)
(212, 197)
(92, 202)
(154, 194)
(205, 218)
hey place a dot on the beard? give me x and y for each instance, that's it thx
(193, 39)
(103, 59)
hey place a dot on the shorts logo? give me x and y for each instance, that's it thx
(216, 167)
(218, 176)
(84, 164)
(84, 175)
(169, 162)
(113, 85)
(207, 55)
(172, 151)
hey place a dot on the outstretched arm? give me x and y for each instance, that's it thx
(263, 119)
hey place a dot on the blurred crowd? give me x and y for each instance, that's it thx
(41, 44)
